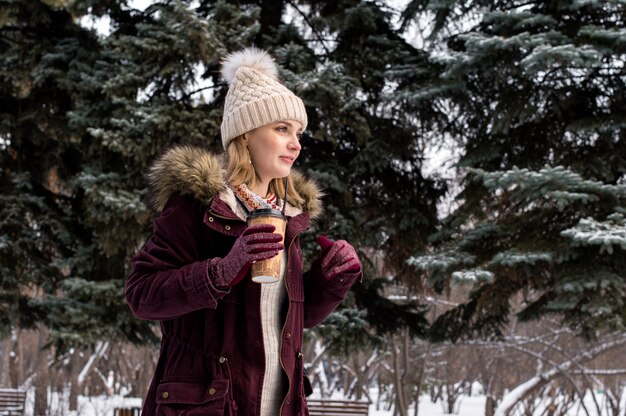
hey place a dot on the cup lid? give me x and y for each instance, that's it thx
(266, 212)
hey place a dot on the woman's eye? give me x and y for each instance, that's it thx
(282, 129)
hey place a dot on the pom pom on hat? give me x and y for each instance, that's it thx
(255, 97)
(250, 58)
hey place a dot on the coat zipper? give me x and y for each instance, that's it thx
(282, 332)
(233, 405)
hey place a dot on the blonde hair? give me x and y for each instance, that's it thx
(239, 169)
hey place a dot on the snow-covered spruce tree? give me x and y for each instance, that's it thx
(83, 114)
(365, 145)
(537, 95)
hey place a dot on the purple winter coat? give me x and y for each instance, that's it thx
(211, 360)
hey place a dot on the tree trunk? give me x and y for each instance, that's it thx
(401, 402)
(15, 364)
(358, 389)
(269, 20)
(74, 395)
(490, 406)
(145, 371)
(41, 380)
(72, 381)
(41, 392)
(420, 379)
(4, 363)
(489, 374)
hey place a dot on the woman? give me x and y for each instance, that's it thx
(231, 346)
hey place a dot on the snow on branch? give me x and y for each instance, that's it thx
(616, 372)
(589, 232)
(101, 348)
(533, 384)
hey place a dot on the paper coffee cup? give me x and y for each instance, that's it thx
(268, 271)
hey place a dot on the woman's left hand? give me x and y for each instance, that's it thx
(337, 257)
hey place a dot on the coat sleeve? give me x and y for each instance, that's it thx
(169, 278)
(323, 296)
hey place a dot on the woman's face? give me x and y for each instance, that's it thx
(274, 148)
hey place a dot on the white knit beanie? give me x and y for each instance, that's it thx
(255, 97)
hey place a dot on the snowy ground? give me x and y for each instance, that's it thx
(467, 406)
(475, 406)
(87, 406)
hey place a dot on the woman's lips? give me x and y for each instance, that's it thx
(286, 159)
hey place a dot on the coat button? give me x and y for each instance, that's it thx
(165, 395)
(211, 219)
(222, 360)
(227, 228)
(288, 335)
(211, 391)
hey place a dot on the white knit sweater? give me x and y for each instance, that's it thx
(272, 295)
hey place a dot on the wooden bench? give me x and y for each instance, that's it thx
(127, 411)
(328, 407)
(12, 402)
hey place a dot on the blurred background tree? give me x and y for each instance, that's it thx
(84, 112)
(477, 142)
(528, 94)
(536, 92)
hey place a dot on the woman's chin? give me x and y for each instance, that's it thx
(283, 173)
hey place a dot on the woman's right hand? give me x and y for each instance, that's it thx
(256, 243)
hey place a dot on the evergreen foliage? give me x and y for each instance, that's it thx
(343, 333)
(531, 92)
(83, 113)
(539, 226)
(82, 116)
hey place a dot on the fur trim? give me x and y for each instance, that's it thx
(310, 191)
(186, 170)
(197, 172)
(252, 58)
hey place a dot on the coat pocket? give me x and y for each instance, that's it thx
(184, 398)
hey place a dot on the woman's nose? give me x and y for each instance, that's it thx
(294, 143)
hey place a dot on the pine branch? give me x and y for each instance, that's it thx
(308, 22)
(189, 94)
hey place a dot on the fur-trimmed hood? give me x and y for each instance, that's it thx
(197, 172)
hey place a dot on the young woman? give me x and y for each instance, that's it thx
(231, 346)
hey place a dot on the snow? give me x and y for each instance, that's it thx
(86, 405)
(514, 396)
(101, 348)
(474, 405)
(466, 406)
(104, 405)
(469, 406)
(474, 275)
(588, 231)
